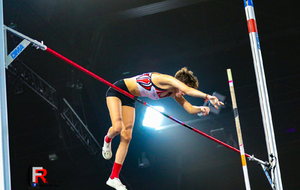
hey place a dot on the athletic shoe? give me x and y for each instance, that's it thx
(116, 184)
(106, 150)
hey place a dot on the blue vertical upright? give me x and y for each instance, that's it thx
(262, 90)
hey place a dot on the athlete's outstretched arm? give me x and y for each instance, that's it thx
(191, 108)
(168, 81)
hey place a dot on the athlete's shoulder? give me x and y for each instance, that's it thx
(156, 74)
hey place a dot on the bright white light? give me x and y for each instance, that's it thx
(153, 118)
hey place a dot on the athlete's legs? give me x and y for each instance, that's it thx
(122, 118)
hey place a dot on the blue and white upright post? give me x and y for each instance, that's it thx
(5, 182)
(262, 90)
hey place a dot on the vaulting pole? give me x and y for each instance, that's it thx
(5, 182)
(262, 90)
(238, 130)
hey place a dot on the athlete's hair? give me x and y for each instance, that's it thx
(187, 77)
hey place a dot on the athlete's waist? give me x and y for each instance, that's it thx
(132, 86)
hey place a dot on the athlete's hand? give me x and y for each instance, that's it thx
(204, 110)
(214, 101)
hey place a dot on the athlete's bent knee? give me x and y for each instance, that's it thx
(117, 127)
(126, 136)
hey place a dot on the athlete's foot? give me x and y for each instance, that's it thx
(106, 150)
(116, 184)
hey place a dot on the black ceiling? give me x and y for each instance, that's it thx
(117, 39)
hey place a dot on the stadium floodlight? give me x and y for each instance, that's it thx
(152, 117)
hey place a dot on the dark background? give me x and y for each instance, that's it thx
(118, 39)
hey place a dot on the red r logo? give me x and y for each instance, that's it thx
(36, 174)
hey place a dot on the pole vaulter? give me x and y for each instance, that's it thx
(267, 166)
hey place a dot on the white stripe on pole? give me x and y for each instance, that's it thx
(251, 14)
(4, 142)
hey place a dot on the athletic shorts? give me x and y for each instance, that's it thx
(126, 101)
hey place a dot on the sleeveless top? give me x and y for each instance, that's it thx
(148, 89)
